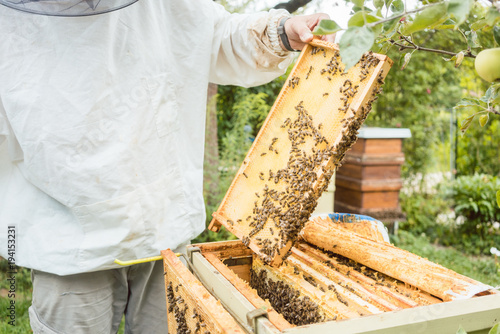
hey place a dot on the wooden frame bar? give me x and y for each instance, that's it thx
(392, 261)
(195, 305)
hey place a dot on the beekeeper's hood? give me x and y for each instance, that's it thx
(67, 7)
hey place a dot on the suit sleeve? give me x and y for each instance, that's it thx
(242, 54)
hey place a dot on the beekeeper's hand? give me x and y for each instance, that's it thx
(299, 28)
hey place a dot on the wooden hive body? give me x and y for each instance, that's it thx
(329, 290)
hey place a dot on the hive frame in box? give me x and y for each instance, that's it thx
(189, 304)
(314, 121)
(477, 315)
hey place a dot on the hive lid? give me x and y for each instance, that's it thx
(311, 125)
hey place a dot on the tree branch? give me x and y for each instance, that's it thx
(493, 110)
(416, 10)
(413, 46)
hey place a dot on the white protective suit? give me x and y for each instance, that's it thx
(102, 123)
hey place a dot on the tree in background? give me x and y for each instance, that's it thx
(415, 97)
(381, 25)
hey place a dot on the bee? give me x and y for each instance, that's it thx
(245, 175)
(310, 69)
(263, 153)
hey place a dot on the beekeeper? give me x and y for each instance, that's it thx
(102, 121)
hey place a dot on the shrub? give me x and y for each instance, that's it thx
(474, 199)
(461, 213)
(424, 201)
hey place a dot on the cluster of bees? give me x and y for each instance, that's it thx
(378, 278)
(293, 82)
(316, 50)
(333, 66)
(367, 61)
(307, 172)
(178, 306)
(290, 209)
(297, 310)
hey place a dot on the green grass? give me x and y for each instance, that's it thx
(480, 268)
(22, 299)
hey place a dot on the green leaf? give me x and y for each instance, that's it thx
(428, 18)
(378, 3)
(407, 58)
(358, 19)
(496, 34)
(492, 16)
(448, 24)
(468, 102)
(387, 3)
(472, 39)
(390, 25)
(466, 123)
(487, 95)
(492, 95)
(452, 58)
(460, 57)
(397, 6)
(478, 25)
(326, 27)
(495, 93)
(461, 330)
(497, 327)
(354, 43)
(484, 119)
(460, 9)
(359, 3)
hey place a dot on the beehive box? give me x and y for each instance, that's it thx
(267, 286)
(317, 291)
